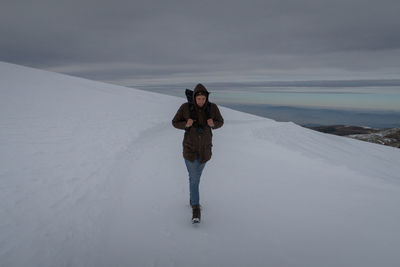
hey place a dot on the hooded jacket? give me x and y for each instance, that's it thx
(197, 140)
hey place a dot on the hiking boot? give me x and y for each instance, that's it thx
(196, 214)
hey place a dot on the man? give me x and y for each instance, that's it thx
(197, 119)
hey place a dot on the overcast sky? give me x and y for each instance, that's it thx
(133, 42)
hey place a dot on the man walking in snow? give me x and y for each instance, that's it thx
(197, 117)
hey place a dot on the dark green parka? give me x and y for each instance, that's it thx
(197, 141)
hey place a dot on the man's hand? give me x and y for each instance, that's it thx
(210, 123)
(189, 123)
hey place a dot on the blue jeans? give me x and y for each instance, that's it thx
(195, 169)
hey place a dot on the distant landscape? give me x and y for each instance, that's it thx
(388, 137)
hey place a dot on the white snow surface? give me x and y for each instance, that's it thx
(92, 174)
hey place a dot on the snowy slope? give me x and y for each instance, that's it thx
(91, 174)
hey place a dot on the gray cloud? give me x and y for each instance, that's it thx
(132, 42)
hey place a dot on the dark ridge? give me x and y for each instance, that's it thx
(388, 137)
(343, 130)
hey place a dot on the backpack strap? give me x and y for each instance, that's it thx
(208, 110)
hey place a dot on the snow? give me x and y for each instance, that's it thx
(92, 174)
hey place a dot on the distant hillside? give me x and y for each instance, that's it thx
(388, 137)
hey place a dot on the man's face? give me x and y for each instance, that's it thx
(201, 100)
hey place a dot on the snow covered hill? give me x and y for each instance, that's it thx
(91, 174)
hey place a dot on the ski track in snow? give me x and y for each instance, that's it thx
(93, 175)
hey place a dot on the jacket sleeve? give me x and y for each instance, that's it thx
(179, 121)
(218, 120)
